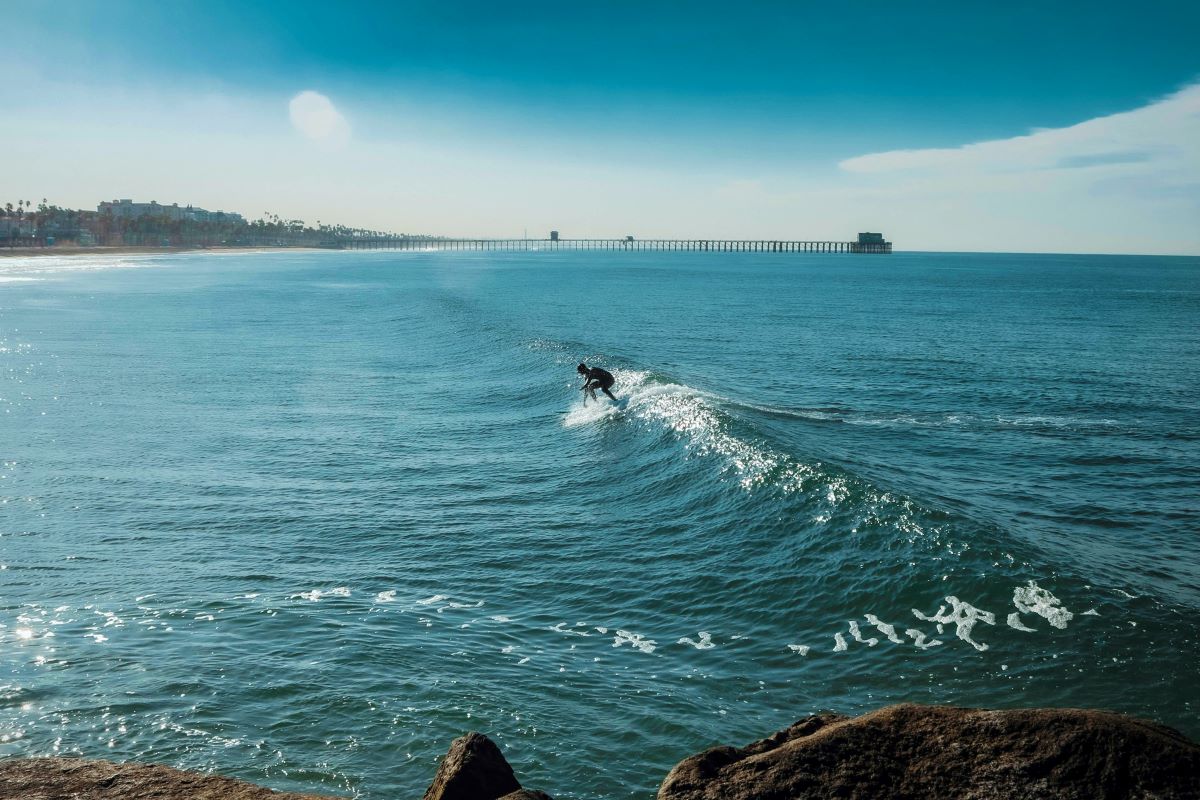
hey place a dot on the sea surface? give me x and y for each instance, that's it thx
(304, 517)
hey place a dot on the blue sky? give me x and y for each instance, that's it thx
(689, 119)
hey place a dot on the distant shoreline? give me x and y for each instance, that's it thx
(131, 250)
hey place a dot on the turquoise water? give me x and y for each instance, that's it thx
(303, 518)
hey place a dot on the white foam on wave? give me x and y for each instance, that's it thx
(693, 416)
(1014, 622)
(886, 629)
(802, 649)
(428, 601)
(386, 597)
(1032, 599)
(1051, 421)
(925, 419)
(705, 642)
(856, 632)
(696, 418)
(316, 594)
(454, 605)
(920, 640)
(635, 640)
(963, 616)
(591, 413)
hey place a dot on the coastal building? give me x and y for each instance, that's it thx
(871, 243)
(64, 224)
(127, 209)
(16, 226)
(554, 236)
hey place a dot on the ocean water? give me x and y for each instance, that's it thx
(303, 518)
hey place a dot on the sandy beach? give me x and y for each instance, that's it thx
(130, 250)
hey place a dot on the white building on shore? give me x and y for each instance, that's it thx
(127, 209)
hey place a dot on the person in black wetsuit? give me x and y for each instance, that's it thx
(595, 378)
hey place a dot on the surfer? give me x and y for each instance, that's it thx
(595, 378)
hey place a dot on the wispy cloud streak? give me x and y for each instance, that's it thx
(1162, 134)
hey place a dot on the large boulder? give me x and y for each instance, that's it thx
(475, 769)
(911, 751)
(84, 779)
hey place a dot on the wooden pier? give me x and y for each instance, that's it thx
(628, 243)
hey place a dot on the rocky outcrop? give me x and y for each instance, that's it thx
(905, 751)
(911, 751)
(81, 779)
(475, 769)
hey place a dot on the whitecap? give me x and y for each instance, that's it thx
(562, 628)
(636, 640)
(454, 605)
(1032, 599)
(887, 630)
(858, 637)
(316, 594)
(705, 642)
(590, 413)
(963, 616)
(920, 640)
(1014, 621)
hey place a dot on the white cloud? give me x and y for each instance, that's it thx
(314, 116)
(1163, 134)
(1121, 183)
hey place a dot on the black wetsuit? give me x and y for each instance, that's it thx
(600, 379)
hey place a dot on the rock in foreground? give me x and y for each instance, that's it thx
(475, 769)
(82, 779)
(910, 751)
